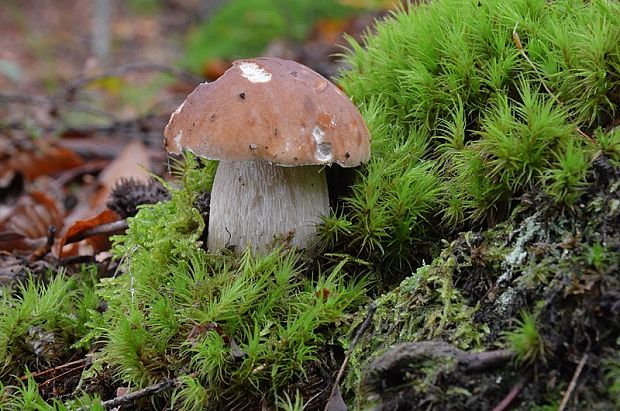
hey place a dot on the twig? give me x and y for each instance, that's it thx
(22, 99)
(51, 370)
(115, 227)
(358, 335)
(314, 397)
(508, 399)
(45, 248)
(59, 376)
(517, 40)
(150, 390)
(573, 382)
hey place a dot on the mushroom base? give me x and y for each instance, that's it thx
(255, 204)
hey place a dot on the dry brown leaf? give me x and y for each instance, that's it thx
(91, 245)
(132, 162)
(26, 227)
(45, 159)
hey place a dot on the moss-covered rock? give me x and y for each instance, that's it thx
(560, 265)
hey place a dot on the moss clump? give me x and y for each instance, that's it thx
(238, 330)
(425, 306)
(559, 264)
(41, 320)
(470, 105)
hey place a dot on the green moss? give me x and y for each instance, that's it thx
(26, 396)
(425, 306)
(236, 327)
(40, 322)
(525, 340)
(463, 120)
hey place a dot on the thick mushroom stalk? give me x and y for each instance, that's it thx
(255, 204)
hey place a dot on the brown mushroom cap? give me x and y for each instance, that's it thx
(270, 109)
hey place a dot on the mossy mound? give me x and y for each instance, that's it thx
(559, 265)
(470, 105)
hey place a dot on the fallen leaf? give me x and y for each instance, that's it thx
(27, 226)
(132, 162)
(44, 159)
(91, 245)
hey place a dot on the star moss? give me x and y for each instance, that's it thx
(471, 104)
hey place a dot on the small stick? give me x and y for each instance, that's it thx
(573, 382)
(56, 377)
(508, 399)
(473, 362)
(150, 390)
(358, 335)
(80, 82)
(45, 248)
(51, 370)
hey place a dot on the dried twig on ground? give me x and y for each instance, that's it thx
(116, 227)
(573, 382)
(514, 392)
(81, 362)
(150, 390)
(70, 89)
(479, 361)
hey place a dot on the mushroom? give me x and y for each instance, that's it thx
(273, 124)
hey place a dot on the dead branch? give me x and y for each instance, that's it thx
(573, 382)
(479, 361)
(63, 99)
(22, 99)
(150, 390)
(514, 392)
(61, 375)
(82, 362)
(69, 90)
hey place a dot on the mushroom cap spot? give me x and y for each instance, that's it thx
(290, 120)
(324, 152)
(254, 72)
(318, 134)
(320, 86)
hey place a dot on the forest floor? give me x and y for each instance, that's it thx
(73, 126)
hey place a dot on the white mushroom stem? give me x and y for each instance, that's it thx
(254, 203)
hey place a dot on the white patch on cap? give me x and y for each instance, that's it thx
(254, 72)
(324, 152)
(177, 140)
(318, 134)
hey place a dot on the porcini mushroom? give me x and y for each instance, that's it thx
(273, 124)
